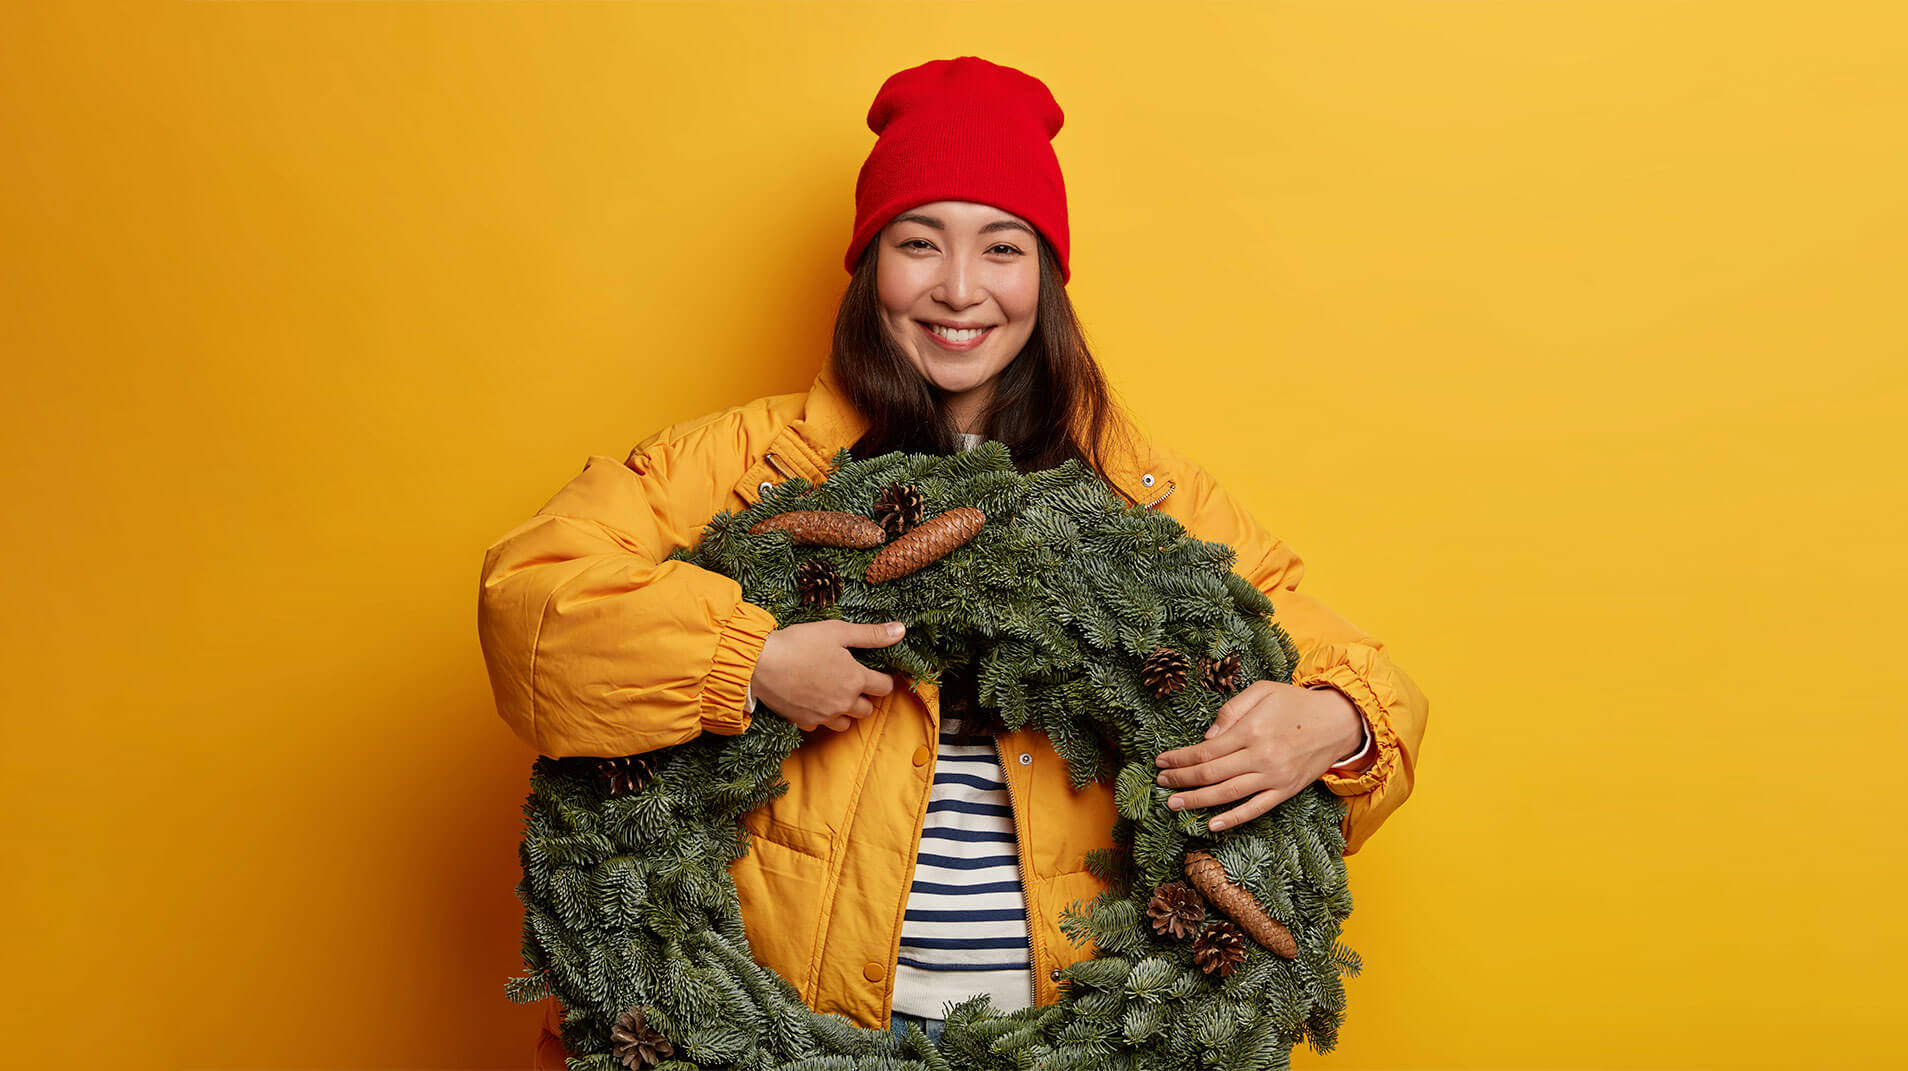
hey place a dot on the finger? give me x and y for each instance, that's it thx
(840, 724)
(1250, 809)
(1205, 751)
(883, 635)
(861, 708)
(1228, 716)
(877, 684)
(1236, 788)
(1207, 773)
(1233, 709)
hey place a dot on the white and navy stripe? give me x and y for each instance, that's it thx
(964, 931)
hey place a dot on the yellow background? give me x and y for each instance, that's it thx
(1564, 339)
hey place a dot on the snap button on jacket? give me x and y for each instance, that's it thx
(595, 645)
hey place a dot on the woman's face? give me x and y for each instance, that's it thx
(959, 283)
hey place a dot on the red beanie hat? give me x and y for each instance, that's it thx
(963, 130)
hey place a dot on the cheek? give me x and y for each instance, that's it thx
(1024, 308)
(895, 290)
(888, 296)
(1023, 300)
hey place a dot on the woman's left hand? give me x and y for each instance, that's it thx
(1268, 743)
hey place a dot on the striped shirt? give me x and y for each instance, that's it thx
(964, 930)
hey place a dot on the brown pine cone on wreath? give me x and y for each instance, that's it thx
(898, 508)
(1208, 875)
(636, 1044)
(624, 775)
(1164, 672)
(1176, 910)
(1219, 948)
(823, 528)
(818, 582)
(1220, 674)
(929, 542)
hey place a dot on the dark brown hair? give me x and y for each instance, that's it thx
(1051, 405)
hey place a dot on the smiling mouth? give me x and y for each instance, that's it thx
(956, 335)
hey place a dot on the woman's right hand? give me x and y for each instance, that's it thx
(806, 674)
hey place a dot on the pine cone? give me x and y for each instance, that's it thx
(898, 508)
(1208, 875)
(823, 528)
(624, 775)
(1176, 909)
(928, 543)
(636, 1043)
(1164, 672)
(1219, 948)
(818, 582)
(1221, 674)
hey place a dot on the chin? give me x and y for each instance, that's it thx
(953, 384)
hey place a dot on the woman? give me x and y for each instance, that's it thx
(921, 854)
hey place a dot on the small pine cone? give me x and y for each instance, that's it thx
(928, 543)
(1220, 674)
(898, 508)
(622, 776)
(1219, 948)
(1208, 875)
(637, 1044)
(823, 528)
(1164, 672)
(818, 582)
(1176, 910)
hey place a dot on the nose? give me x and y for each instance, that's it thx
(959, 286)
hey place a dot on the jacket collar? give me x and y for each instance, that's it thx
(829, 423)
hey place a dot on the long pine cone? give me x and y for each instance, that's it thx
(1208, 875)
(928, 543)
(823, 528)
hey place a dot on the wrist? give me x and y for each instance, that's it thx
(1356, 740)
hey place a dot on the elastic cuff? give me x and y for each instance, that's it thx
(725, 690)
(1354, 688)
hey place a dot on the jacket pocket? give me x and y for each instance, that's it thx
(779, 883)
(816, 843)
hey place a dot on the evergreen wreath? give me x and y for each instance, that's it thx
(1211, 950)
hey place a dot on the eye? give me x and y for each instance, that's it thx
(1008, 248)
(924, 243)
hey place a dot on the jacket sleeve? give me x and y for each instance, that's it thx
(1332, 651)
(597, 646)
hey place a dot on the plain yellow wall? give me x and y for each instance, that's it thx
(1565, 340)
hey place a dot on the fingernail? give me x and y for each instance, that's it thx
(896, 629)
(1175, 803)
(1215, 824)
(1160, 780)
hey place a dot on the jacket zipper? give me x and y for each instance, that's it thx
(1033, 992)
(1171, 486)
(777, 466)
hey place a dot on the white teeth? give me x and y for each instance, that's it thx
(968, 335)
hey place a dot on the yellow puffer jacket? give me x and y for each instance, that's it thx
(597, 646)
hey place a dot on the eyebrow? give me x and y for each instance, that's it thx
(997, 225)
